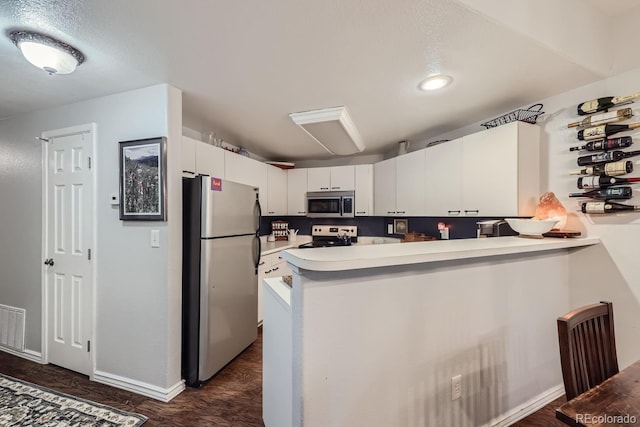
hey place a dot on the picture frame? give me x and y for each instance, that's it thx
(143, 179)
(400, 226)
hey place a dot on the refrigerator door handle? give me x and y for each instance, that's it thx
(257, 250)
(257, 212)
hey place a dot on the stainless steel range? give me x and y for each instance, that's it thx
(332, 235)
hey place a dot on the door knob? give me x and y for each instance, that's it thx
(49, 262)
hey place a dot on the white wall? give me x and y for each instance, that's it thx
(138, 300)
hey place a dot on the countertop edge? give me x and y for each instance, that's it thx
(371, 256)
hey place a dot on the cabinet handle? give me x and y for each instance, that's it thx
(401, 212)
(261, 263)
(361, 212)
(389, 212)
(472, 211)
(454, 212)
(268, 271)
(279, 257)
(302, 212)
(276, 268)
(335, 188)
(324, 188)
(271, 212)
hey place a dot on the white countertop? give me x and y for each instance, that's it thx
(370, 256)
(271, 247)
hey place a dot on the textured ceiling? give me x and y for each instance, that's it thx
(244, 66)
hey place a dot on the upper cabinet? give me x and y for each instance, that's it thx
(188, 156)
(297, 191)
(335, 178)
(501, 171)
(201, 158)
(364, 190)
(276, 191)
(247, 171)
(443, 179)
(491, 173)
(399, 186)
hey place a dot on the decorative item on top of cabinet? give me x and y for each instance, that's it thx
(280, 229)
(530, 115)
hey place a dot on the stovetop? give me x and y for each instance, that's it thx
(324, 236)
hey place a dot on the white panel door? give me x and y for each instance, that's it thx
(69, 238)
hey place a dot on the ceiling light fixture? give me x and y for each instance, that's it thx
(435, 82)
(332, 128)
(47, 53)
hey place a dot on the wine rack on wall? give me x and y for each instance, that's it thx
(603, 143)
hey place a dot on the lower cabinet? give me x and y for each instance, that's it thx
(271, 265)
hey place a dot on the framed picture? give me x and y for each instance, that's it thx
(400, 226)
(143, 180)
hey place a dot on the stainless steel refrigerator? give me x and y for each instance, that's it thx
(221, 252)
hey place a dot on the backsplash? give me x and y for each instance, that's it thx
(459, 227)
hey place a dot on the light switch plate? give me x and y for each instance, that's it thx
(114, 199)
(155, 238)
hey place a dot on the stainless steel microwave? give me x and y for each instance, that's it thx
(330, 204)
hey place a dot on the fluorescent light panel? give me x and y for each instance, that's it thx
(332, 128)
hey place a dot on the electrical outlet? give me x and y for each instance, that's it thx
(456, 387)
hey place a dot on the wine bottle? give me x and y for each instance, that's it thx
(605, 144)
(607, 156)
(606, 207)
(596, 182)
(613, 169)
(604, 131)
(607, 193)
(601, 119)
(604, 103)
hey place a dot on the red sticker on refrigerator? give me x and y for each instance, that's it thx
(216, 184)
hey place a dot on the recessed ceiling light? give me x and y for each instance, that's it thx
(47, 53)
(437, 81)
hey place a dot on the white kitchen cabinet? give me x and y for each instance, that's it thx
(410, 184)
(342, 178)
(276, 191)
(495, 172)
(334, 178)
(188, 156)
(319, 179)
(364, 190)
(271, 265)
(443, 179)
(384, 187)
(210, 160)
(247, 171)
(399, 185)
(501, 171)
(297, 192)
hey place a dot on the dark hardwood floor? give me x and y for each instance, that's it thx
(231, 398)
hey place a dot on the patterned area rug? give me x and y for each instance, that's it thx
(26, 404)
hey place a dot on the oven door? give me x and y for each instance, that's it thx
(324, 206)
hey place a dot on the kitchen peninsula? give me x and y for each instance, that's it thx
(377, 333)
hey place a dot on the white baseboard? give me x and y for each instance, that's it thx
(152, 391)
(528, 408)
(31, 355)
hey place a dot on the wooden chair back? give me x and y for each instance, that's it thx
(587, 347)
